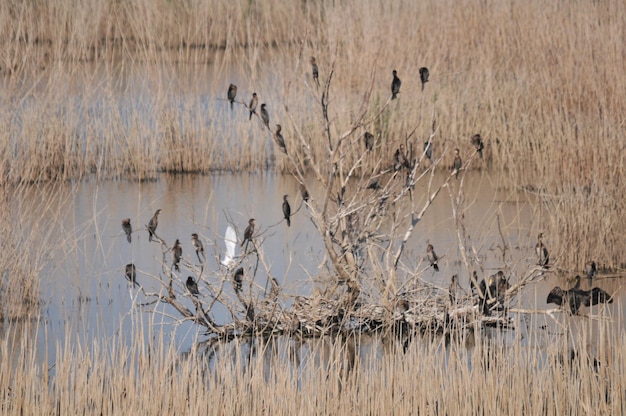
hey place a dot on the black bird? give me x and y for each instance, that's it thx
(153, 223)
(492, 291)
(286, 210)
(428, 150)
(192, 286)
(452, 289)
(477, 141)
(591, 270)
(542, 252)
(280, 140)
(474, 282)
(304, 192)
(128, 229)
(197, 244)
(232, 93)
(575, 298)
(368, 138)
(432, 257)
(253, 103)
(424, 74)
(247, 234)
(315, 70)
(238, 279)
(265, 117)
(395, 85)
(458, 163)
(131, 274)
(400, 160)
(178, 253)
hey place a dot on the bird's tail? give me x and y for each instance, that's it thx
(436, 267)
(288, 222)
(128, 238)
(231, 105)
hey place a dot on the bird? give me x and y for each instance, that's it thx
(304, 192)
(265, 117)
(315, 70)
(178, 253)
(232, 93)
(458, 163)
(197, 244)
(128, 229)
(400, 160)
(542, 252)
(131, 274)
(428, 150)
(432, 257)
(192, 286)
(287, 210)
(590, 269)
(492, 291)
(395, 85)
(368, 139)
(374, 183)
(230, 243)
(474, 282)
(477, 141)
(153, 223)
(253, 103)
(424, 74)
(280, 141)
(238, 279)
(247, 234)
(575, 298)
(453, 288)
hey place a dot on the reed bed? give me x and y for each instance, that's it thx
(128, 90)
(322, 376)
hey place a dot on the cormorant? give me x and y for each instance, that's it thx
(395, 85)
(432, 257)
(152, 224)
(286, 210)
(232, 93)
(128, 229)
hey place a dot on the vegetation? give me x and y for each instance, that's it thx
(126, 90)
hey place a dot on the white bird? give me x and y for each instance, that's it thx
(230, 242)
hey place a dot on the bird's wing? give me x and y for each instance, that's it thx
(230, 242)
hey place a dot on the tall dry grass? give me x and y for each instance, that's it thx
(319, 377)
(127, 90)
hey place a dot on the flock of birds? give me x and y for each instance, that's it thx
(489, 292)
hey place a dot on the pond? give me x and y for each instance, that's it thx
(86, 299)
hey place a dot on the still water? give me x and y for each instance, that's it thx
(85, 296)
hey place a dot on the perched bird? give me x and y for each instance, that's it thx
(477, 141)
(575, 298)
(492, 291)
(591, 270)
(264, 115)
(192, 286)
(315, 70)
(152, 224)
(232, 93)
(230, 243)
(304, 192)
(452, 289)
(247, 234)
(424, 74)
(178, 253)
(368, 139)
(280, 141)
(253, 103)
(128, 229)
(131, 274)
(458, 163)
(542, 252)
(198, 246)
(432, 257)
(474, 282)
(428, 150)
(286, 210)
(238, 279)
(400, 160)
(395, 85)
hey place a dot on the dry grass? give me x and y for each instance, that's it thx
(127, 90)
(319, 377)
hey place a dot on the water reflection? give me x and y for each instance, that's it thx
(86, 295)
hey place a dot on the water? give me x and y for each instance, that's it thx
(85, 294)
